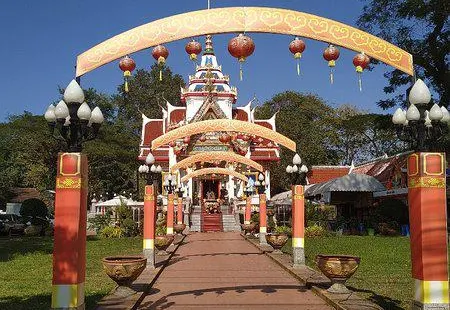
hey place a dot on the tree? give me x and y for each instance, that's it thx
(307, 120)
(146, 96)
(421, 28)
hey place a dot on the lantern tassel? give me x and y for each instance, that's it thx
(298, 67)
(331, 76)
(126, 85)
(160, 75)
(360, 82)
(241, 72)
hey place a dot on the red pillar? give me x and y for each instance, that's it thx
(180, 210)
(170, 211)
(298, 225)
(262, 219)
(248, 210)
(149, 224)
(428, 221)
(69, 250)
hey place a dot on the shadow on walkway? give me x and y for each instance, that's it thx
(163, 303)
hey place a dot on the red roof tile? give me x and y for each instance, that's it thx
(324, 174)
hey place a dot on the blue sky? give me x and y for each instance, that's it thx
(41, 40)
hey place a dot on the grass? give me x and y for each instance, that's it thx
(26, 270)
(384, 275)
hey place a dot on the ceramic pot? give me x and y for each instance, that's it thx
(338, 268)
(124, 270)
(277, 241)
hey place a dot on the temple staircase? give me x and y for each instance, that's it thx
(229, 223)
(196, 219)
(211, 222)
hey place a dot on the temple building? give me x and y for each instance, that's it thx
(209, 95)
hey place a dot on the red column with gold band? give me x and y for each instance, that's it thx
(298, 225)
(428, 225)
(262, 219)
(180, 210)
(248, 210)
(149, 225)
(69, 250)
(170, 211)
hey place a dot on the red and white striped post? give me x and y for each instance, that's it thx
(428, 225)
(298, 226)
(69, 250)
(248, 209)
(149, 225)
(170, 213)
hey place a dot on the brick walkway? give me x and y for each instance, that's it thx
(223, 271)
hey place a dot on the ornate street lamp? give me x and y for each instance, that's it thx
(260, 184)
(72, 121)
(298, 171)
(180, 191)
(248, 191)
(170, 184)
(419, 127)
(153, 173)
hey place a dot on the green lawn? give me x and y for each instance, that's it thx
(26, 270)
(384, 275)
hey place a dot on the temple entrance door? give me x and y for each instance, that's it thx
(210, 189)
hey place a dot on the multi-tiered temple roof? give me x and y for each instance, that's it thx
(207, 96)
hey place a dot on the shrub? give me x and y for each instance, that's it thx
(254, 218)
(130, 227)
(160, 230)
(315, 231)
(112, 232)
(98, 222)
(283, 230)
(33, 208)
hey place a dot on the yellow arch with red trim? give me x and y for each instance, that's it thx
(215, 156)
(242, 19)
(206, 171)
(223, 125)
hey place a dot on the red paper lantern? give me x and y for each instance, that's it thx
(297, 47)
(160, 53)
(331, 54)
(127, 65)
(172, 143)
(193, 48)
(241, 47)
(224, 138)
(245, 138)
(187, 140)
(360, 61)
(202, 139)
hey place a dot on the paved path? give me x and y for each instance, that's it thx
(224, 271)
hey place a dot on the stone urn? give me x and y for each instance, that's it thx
(162, 243)
(277, 241)
(338, 268)
(179, 228)
(124, 270)
(248, 228)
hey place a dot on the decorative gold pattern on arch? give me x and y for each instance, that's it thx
(242, 19)
(215, 156)
(205, 171)
(223, 125)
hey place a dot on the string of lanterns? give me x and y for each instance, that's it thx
(241, 47)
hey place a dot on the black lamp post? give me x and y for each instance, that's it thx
(248, 191)
(152, 173)
(260, 184)
(421, 128)
(72, 121)
(298, 171)
(180, 191)
(170, 184)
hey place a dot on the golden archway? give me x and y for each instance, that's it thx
(242, 19)
(205, 171)
(215, 156)
(223, 125)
